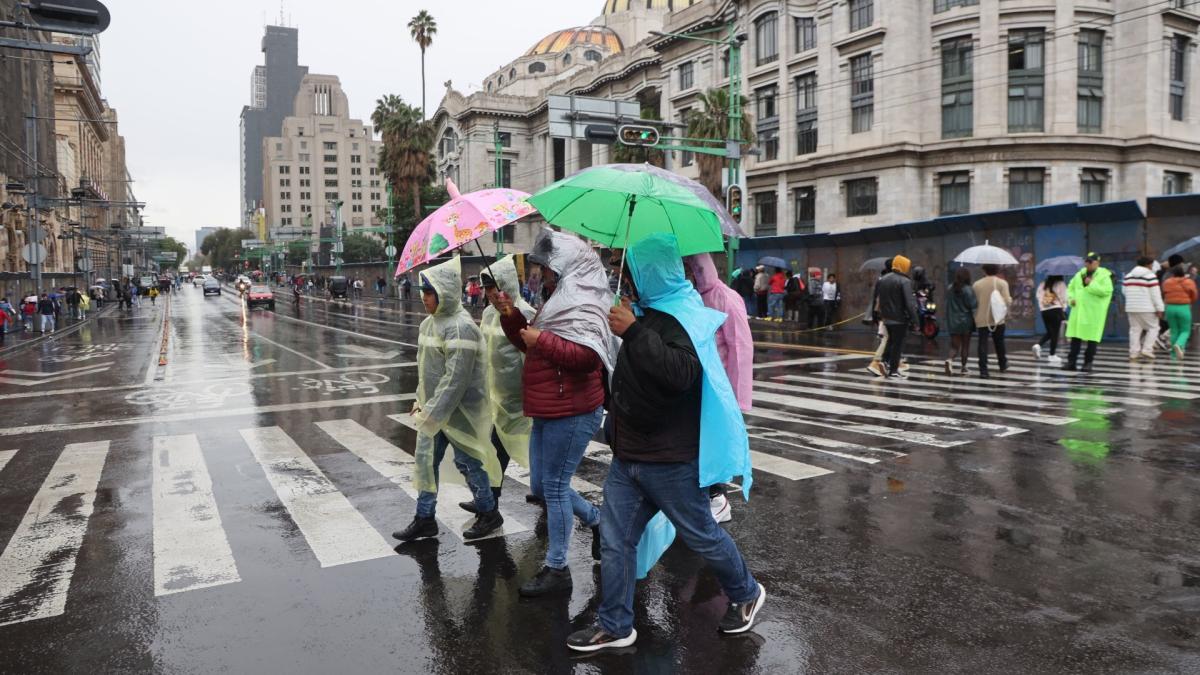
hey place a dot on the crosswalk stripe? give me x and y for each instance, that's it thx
(191, 550)
(830, 407)
(918, 437)
(1163, 364)
(965, 391)
(1022, 380)
(1123, 377)
(6, 455)
(514, 471)
(335, 531)
(397, 466)
(761, 461)
(810, 360)
(39, 561)
(941, 406)
(773, 436)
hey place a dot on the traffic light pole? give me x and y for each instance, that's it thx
(498, 236)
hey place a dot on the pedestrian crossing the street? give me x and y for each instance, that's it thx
(806, 424)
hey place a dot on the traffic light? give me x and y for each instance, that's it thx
(636, 134)
(733, 201)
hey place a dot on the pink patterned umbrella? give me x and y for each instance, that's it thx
(461, 221)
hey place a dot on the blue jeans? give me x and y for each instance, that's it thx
(556, 447)
(471, 468)
(633, 493)
(775, 305)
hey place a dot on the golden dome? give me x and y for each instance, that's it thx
(559, 41)
(616, 6)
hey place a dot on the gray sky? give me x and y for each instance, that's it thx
(178, 75)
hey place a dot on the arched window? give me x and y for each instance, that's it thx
(500, 80)
(449, 142)
(512, 74)
(591, 55)
(537, 67)
(489, 86)
(567, 59)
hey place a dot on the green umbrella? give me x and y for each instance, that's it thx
(617, 205)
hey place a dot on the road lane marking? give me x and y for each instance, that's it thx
(6, 455)
(804, 362)
(396, 465)
(39, 561)
(191, 550)
(830, 407)
(825, 446)
(336, 532)
(941, 406)
(365, 336)
(285, 348)
(52, 377)
(1018, 379)
(206, 414)
(918, 437)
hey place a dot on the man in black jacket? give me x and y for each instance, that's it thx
(898, 310)
(655, 408)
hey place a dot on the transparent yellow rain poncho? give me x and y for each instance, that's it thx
(504, 366)
(451, 394)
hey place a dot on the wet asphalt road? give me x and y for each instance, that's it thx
(230, 511)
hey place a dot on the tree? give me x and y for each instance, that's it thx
(407, 154)
(173, 245)
(712, 122)
(359, 247)
(221, 246)
(422, 28)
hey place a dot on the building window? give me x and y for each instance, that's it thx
(766, 214)
(356, 159)
(686, 158)
(1179, 47)
(512, 74)
(1093, 186)
(806, 114)
(305, 157)
(725, 64)
(506, 139)
(1026, 80)
(1026, 188)
(687, 76)
(1091, 81)
(861, 197)
(331, 183)
(285, 169)
(448, 143)
(506, 173)
(767, 126)
(1177, 183)
(537, 67)
(958, 94)
(330, 145)
(332, 159)
(862, 93)
(305, 170)
(944, 5)
(806, 210)
(566, 59)
(591, 55)
(331, 171)
(766, 38)
(954, 193)
(331, 196)
(862, 14)
(806, 33)
(560, 158)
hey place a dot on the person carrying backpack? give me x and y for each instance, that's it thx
(793, 297)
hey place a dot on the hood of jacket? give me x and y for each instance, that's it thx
(446, 280)
(704, 271)
(657, 271)
(504, 271)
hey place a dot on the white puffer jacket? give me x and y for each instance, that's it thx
(1142, 292)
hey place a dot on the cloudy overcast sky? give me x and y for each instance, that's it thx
(178, 75)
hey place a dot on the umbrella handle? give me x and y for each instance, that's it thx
(484, 256)
(625, 251)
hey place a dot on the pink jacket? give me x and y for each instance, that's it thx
(734, 342)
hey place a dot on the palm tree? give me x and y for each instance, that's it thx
(422, 28)
(713, 122)
(407, 152)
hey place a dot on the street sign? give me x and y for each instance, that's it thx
(253, 243)
(338, 247)
(80, 17)
(34, 254)
(570, 116)
(289, 233)
(389, 251)
(86, 265)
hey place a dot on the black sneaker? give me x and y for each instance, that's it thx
(548, 580)
(596, 543)
(485, 524)
(534, 499)
(1070, 366)
(595, 638)
(469, 507)
(740, 616)
(419, 528)
(1087, 367)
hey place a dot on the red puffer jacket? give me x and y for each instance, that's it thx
(561, 378)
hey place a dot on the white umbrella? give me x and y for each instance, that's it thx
(985, 255)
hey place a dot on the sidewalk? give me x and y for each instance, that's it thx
(19, 339)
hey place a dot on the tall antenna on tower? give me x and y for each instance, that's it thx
(281, 18)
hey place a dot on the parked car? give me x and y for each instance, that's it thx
(260, 294)
(212, 286)
(338, 287)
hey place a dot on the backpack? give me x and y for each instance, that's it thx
(794, 286)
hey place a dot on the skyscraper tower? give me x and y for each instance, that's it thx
(273, 92)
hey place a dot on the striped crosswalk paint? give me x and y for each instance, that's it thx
(191, 550)
(825, 391)
(39, 561)
(6, 455)
(845, 426)
(397, 465)
(1019, 379)
(844, 410)
(336, 532)
(761, 461)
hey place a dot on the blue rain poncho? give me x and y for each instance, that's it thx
(451, 394)
(505, 365)
(657, 271)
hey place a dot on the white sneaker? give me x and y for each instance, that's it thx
(1037, 351)
(1055, 360)
(722, 512)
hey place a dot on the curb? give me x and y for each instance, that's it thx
(7, 351)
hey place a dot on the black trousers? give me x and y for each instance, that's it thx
(761, 303)
(1053, 318)
(1088, 355)
(895, 347)
(997, 335)
(816, 314)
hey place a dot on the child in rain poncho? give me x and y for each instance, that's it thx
(451, 406)
(503, 365)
